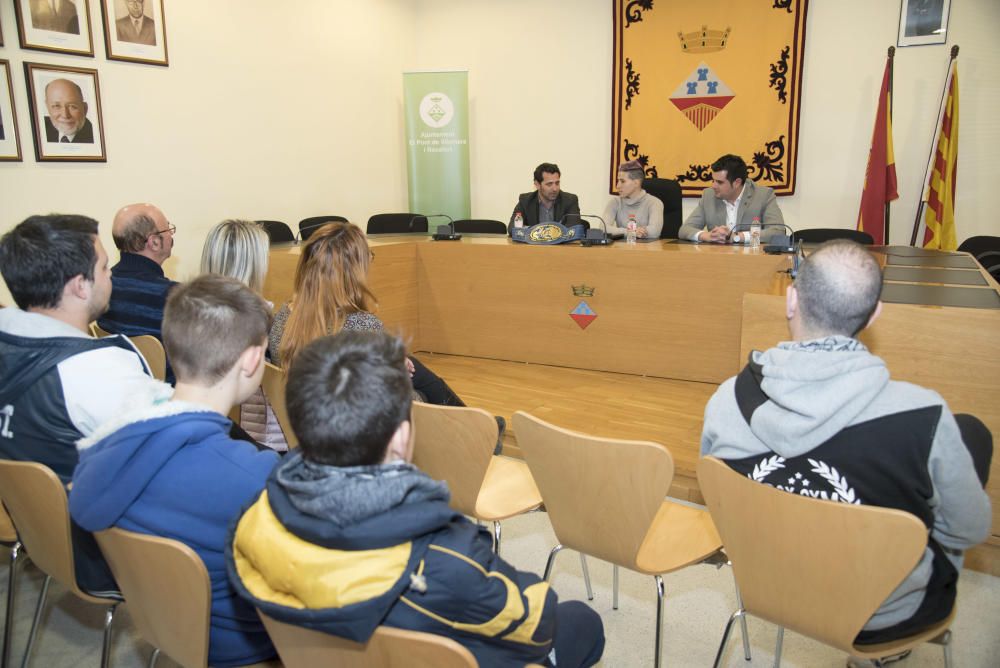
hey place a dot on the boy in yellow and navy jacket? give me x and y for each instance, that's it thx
(348, 535)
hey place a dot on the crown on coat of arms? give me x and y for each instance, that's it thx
(583, 290)
(704, 40)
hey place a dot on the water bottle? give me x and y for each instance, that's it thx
(518, 220)
(630, 229)
(755, 234)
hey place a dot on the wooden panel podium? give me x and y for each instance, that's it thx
(662, 309)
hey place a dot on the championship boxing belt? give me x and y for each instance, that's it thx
(548, 233)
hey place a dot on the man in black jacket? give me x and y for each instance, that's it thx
(547, 204)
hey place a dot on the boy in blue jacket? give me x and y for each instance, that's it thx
(349, 535)
(170, 468)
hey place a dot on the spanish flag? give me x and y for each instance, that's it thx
(880, 176)
(939, 216)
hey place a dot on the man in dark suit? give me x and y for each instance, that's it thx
(67, 120)
(136, 27)
(55, 15)
(547, 204)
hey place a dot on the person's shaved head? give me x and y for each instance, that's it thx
(838, 289)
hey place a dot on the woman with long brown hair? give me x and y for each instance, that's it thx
(331, 293)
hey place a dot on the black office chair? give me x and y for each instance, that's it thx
(979, 244)
(277, 231)
(477, 226)
(818, 235)
(397, 223)
(309, 225)
(986, 250)
(669, 192)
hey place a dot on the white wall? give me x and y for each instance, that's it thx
(540, 89)
(266, 113)
(262, 113)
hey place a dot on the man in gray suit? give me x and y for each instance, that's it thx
(136, 27)
(727, 209)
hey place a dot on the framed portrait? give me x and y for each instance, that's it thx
(10, 141)
(923, 22)
(134, 30)
(62, 26)
(66, 115)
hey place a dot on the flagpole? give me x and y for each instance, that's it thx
(930, 158)
(892, 53)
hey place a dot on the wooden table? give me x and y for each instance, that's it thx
(663, 309)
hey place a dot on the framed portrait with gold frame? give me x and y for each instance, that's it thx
(62, 26)
(135, 31)
(66, 117)
(10, 140)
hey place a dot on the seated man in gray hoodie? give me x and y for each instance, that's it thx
(819, 416)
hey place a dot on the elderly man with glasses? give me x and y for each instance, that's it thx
(139, 288)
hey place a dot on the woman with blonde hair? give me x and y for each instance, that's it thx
(331, 293)
(239, 249)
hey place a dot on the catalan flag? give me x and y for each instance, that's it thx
(880, 176)
(939, 216)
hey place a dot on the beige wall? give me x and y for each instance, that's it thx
(265, 113)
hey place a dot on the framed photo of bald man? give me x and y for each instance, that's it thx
(62, 26)
(134, 30)
(66, 115)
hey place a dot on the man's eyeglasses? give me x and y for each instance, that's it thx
(171, 229)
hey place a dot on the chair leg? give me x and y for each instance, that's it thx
(38, 615)
(945, 641)
(743, 624)
(551, 561)
(153, 657)
(614, 589)
(109, 617)
(777, 646)
(659, 621)
(586, 576)
(725, 636)
(496, 538)
(8, 626)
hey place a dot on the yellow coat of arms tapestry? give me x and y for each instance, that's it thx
(693, 81)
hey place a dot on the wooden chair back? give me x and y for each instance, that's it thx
(454, 444)
(36, 501)
(273, 384)
(152, 350)
(168, 591)
(300, 647)
(601, 494)
(97, 332)
(819, 568)
(8, 534)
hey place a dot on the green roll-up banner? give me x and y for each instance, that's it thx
(436, 105)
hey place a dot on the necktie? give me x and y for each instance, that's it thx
(64, 140)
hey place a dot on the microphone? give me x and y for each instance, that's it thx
(409, 226)
(797, 259)
(444, 232)
(593, 237)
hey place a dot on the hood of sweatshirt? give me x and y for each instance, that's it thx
(813, 389)
(118, 461)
